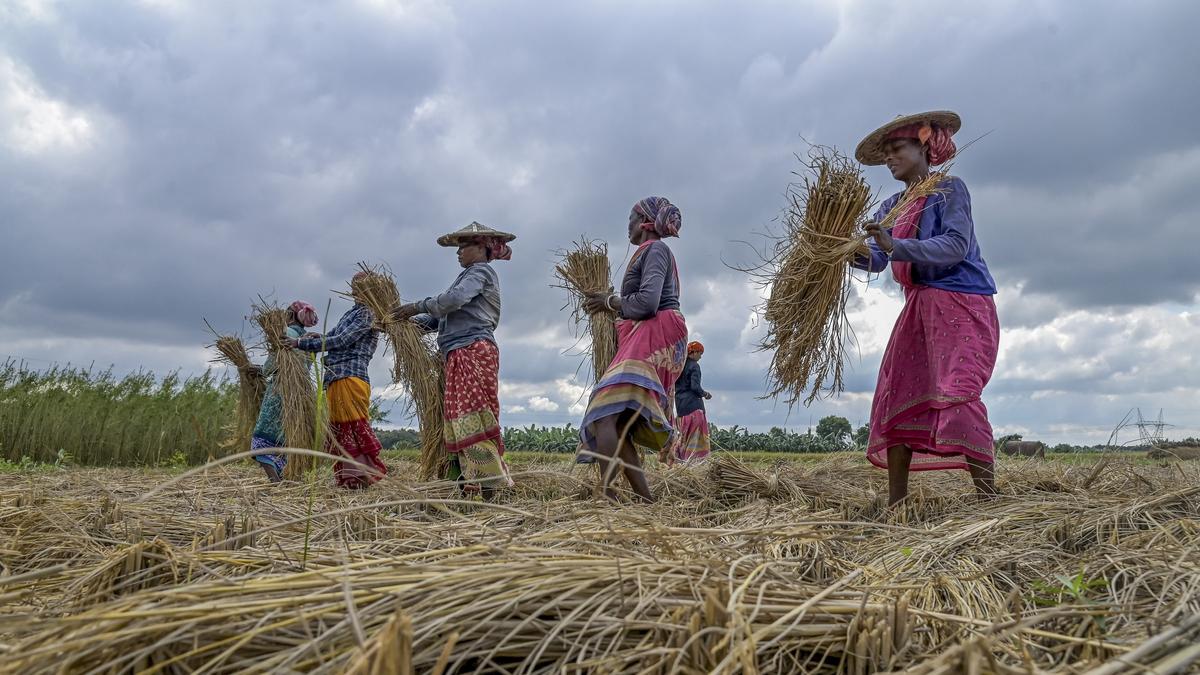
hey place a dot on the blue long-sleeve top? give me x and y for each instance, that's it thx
(348, 347)
(945, 253)
(468, 311)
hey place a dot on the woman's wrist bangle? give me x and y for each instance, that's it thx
(608, 303)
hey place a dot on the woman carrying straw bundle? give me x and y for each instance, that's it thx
(465, 317)
(631, 404)
(692, 445)
(268, 430)
(348, 350)
(927, 413)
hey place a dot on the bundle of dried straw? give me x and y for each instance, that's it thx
(583, 270)
(251, 387)
(305, 420)
(808, 274)
(416, 365)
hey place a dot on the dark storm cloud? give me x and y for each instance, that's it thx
(233, 149)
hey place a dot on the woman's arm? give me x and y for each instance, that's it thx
(342, 335)
(950, 247)
(876, 260)
(464, 289)
(696, 376)
(426, 322)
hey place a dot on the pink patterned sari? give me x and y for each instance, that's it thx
(938, 360)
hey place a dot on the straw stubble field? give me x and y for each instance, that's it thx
(737, 568)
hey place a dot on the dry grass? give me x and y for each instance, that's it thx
(251, 388)
(582, 270)
(808, 275)
(1181, 452)
(417, 365)
(735, 569)
(305, 420)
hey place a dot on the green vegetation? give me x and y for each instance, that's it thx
(68, 415)
(92, 417)
(565, 439)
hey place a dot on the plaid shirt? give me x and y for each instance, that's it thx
(349, 346)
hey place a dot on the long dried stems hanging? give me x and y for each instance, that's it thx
(305, 423)
(251, 387)
(582, 270)
(808, 273)
(416, 364)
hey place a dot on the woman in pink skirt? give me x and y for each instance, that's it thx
(692, 444)
(927, 413)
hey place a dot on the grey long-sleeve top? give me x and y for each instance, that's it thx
(650, 284)
(468, 311)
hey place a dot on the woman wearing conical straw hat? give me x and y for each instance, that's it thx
(348, 350)
(632, 403)
(465, 317)
(268, 430)
(927, 413)
(692, 444)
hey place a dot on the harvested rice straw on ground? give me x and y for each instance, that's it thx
(808, 274)
(542, 611)
(585, 270)
(305, 423)
(251, 387)
(416, 365)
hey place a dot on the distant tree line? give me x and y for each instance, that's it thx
(831, 434)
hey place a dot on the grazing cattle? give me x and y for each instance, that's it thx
(1024, 449)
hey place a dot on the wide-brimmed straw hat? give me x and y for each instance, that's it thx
(870, 150)
(471, 233)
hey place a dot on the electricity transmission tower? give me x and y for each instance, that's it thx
(1150, 431)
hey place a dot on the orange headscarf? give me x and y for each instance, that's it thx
(695, 348)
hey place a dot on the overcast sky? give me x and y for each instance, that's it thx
(163, 162)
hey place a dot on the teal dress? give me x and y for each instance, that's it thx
(268, 431)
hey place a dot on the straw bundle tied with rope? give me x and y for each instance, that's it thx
(583, 270)
(304, 416)
(251, 387)
(808, 274)
(416, 365)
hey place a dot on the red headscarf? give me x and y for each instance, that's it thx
(695, 348)
(305, 313)
(496, 247)
(939, 145)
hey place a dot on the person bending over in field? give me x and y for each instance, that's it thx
(692, 444)
(927, 413)
(465, 317)
(632, 403)
(268, 430)
(348, 350)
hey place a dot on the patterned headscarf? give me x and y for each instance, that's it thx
(305, 313)
(939, 145)
(658, 215)
(695, 348)
(496, 247)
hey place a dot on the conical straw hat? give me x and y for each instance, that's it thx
(870, 150)
(471, 232)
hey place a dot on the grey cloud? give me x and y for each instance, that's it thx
(240, 149)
